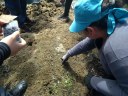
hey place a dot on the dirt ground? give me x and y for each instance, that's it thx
(39, 62)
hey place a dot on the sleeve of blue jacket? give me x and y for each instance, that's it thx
(83, 46)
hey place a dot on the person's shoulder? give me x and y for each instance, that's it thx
(116, 44)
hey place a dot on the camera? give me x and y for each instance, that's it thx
(10, 28)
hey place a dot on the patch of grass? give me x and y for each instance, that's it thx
(66, 83)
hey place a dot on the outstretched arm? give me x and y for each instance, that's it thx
(83, 46)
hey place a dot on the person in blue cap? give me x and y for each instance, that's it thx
(105, 28)
(18, 8)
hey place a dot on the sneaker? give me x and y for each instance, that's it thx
(25, 28)
(93, 92)
(29, 22)
(62, 2)
(59, 4)
(64, 18)
(19, 89)
(87, 80)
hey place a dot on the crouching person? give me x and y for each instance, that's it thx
(104, 28)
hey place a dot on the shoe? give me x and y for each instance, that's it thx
(64, 18)
(29, 22)
(93, 92)
(59, 4)
(19, 89)
(88, 80)
(62, 1)
(25, 29)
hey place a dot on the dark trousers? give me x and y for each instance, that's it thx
(67, 7)
(18, 8)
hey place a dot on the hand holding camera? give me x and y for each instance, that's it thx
(10, 28)
(11, 32)
(11, 42)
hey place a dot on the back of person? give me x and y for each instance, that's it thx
(114, 55)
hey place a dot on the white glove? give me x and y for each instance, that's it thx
(65, 58)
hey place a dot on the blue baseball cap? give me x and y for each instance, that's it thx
(86, 12)
(89, 11)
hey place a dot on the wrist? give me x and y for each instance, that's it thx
(68, 54)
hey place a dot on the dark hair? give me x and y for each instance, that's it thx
(102, 23)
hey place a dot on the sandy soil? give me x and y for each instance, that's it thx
(39, 62)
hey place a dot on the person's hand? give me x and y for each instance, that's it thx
(65, 58)
(14, 45)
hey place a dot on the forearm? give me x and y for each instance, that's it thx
(4, 52)
(83, 46)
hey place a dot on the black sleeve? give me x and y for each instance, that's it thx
(4, 52)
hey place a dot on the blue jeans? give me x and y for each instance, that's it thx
(18, 8)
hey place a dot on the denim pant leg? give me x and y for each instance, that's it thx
(15, 8)
(23, 7)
